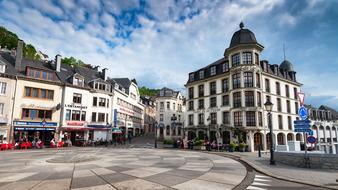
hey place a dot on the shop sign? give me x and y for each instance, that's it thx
(3, 120)
(99, 126)
(34, 124)
(75, 106)
(33, 129)
(211, 110)
(126, 110)
(75, 123)
(36, 106)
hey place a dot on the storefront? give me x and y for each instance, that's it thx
(76, 132)
(27, 130)
(99, 132)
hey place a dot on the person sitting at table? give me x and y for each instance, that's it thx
(39, 144)
(52, 143)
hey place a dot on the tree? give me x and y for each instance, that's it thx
(72, 61)
(144, 91)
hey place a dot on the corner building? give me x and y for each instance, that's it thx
(228, 97)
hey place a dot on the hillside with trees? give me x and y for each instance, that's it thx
(144, 91)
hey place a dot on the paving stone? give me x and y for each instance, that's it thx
(59, 184)
(138, 184)
(102, 171)
(87, 182)
(99, 187)
(196, 184)
(185, 173)
(82, 173)
(19, 185)
(167, 180)
(226, 178)
(118, 168)
(117, 177)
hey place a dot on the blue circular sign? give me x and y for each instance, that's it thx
(303, 113)
(311, 139)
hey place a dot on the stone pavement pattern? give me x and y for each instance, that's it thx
(108, 168)
(323, 177)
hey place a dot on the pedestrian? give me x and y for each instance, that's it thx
(129, 138)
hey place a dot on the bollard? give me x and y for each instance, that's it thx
(259, 150)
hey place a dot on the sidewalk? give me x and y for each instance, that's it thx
(319, 177)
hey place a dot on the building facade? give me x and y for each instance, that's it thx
(128, 110)
(226, 98)
(170, 110)
(149, 114)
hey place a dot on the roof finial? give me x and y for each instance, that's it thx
(284, 50)
(241, 25)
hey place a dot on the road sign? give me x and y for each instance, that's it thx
(303, 113)
(302, 122)
(301, 97)
(303, 130)
(311, 133)
(311, 139)
(302, 126)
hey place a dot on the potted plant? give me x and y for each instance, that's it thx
(198, 144)
(232, 146)
(167, 143)
(241, 146)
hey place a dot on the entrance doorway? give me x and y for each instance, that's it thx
(257, 141)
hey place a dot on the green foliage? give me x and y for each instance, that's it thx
(168, 141)
(199, 142)
(72, 61)
(144, 91)
(29, 52)
(232, 145)
(242, 145)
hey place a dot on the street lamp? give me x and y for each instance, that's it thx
(268, 106)
(155, 134)
(173, 121)
(209, 122)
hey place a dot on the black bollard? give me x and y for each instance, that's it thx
(259, 150)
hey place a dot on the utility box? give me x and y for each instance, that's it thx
(294, 145)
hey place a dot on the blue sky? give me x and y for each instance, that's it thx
(160, 42)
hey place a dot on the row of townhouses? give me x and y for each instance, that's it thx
(47, 99)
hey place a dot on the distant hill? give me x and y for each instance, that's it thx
(9, 40)
(144, 91)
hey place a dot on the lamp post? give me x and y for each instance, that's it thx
(173, 121)
(208, 119)
(268, 106)
(155, 134)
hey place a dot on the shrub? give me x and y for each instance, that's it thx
(168, 141)
(242, 145)
(232, 146)
(199, 142)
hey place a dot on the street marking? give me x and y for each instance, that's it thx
(255, 188)
(261, 180)
(262, 176)
(260, 184)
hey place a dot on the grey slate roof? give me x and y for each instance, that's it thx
(243, 36)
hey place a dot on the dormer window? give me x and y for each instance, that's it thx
(2, 68)
(40, 74)
(225, 67)
(116, 86)
(201, 74)
(213, 70)
(191, 77)
(77, 81)
(100, 86)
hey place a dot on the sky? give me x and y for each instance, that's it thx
(159, 42)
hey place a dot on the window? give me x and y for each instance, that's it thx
(295, 93)
(161, 105)
(168, 105)
(268, 98)
(3, 86)
(296, 107)
(191, 105)
(237, 99)
(260, 119)
(213, 117)
(201, 104)
(225, 87)
(102, 102)
(191, 119)
(161, 117)
(40, 74)
(289, 123)
(287, 92)
(256, 59)
(76, 115)
(174, 106)
(236, 80)
(94, 101)
(280, 121)
(100, 117)
(235, 60)
(247, 58)
(212, 88)
(2, 105)
(93, 116)
(277, 88)
(212, 70)
(249, 99)
(191, 77)
(258, 80)
(191, 92)
(250, 118)
(225, 67)
(201, 74)
(259, 99)
(78, 81)
(2, 68)
(267, 85)
(226, 117)
(238, 118)
(35, 114)
(83, 116)
(288, 108)
(248, 79)
(201, 119)
(201, 90)
(68, 114)
(38, 93)
(225, 100)
(213, 102)
(77, 98)
(279, 105)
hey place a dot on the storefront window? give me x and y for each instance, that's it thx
(67, 115)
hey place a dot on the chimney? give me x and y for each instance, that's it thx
(58, 63)
(18, 57)
(276, 69)
(96, 68)
(104, 73)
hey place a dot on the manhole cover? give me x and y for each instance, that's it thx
(73, 159)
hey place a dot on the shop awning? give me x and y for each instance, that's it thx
(116, 130)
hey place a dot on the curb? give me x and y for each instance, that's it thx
(257, 168)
